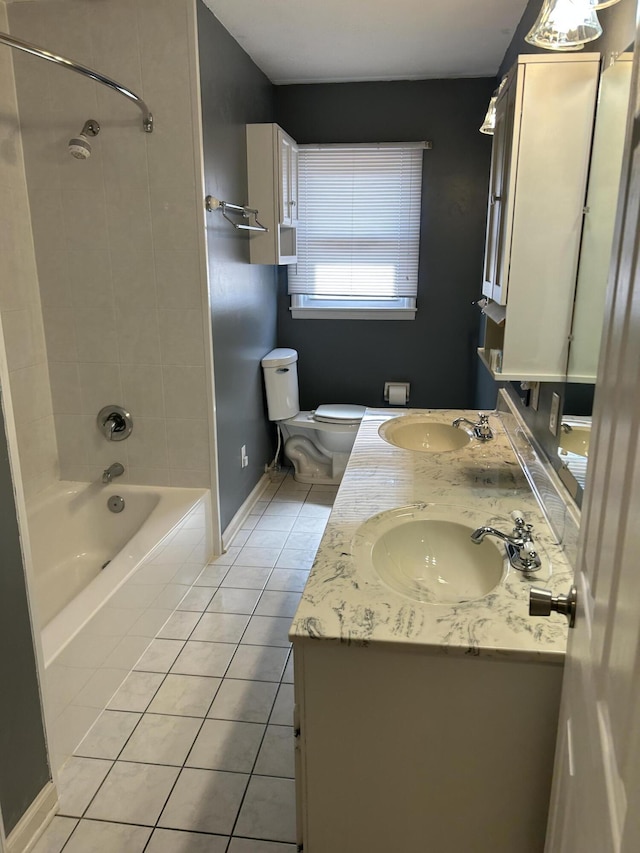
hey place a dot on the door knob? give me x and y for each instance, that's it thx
(543, 601)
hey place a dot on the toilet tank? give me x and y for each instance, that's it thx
(281, 383)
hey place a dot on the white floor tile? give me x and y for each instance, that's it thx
(283, 523)
(248, 701)
(267, 538)
(268, 810)
(160, 655)
(127, 652)
(267, 631)
(175, 841)
(260, 557)
(204, 801)
(287, 580)
(136, 692)
(197, 598)
(282, 714)
(92, 836)
(258, 663)
(55, 835)
(246, 577)
(241, 537)
(204, 658)
(228, 600)
(309, 524)
(161, 739)
(180, 625)
(78, 781)
(285, 508)
(108, 734)
(188, 695)
(226, 745)
(133, 793)
(315, 510)
(287, 676)
(295, 559)
(220, 628)
(276, 757)
(213, 575)
(248, 845)
(151, 621)
(303, 541)
(278, 603)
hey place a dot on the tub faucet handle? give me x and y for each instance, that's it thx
(115, 423)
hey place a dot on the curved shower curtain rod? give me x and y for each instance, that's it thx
(27, 47)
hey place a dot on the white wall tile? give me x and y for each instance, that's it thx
(142, 389)
(185, 391)
(188, 442)
(182, 336)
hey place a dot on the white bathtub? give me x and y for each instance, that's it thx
(96, 622)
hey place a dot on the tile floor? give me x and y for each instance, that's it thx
(195, 752)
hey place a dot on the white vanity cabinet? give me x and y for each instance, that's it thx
(402, 750)
(272, 167)
(539, 169)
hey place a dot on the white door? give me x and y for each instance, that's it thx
(595, 804)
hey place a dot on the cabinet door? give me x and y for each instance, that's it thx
(284, 168)
(496, 260)
(293, 183)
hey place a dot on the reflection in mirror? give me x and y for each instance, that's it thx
(593, 271)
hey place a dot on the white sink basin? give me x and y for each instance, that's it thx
(425, 552)
(415, 432)
(576, 441)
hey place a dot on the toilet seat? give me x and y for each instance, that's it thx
(338, 413)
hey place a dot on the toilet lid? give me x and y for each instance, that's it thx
(339, 413)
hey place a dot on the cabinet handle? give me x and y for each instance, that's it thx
(495, 198)
(292, 203)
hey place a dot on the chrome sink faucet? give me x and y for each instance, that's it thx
(519, 544)
(481, 429)
(115, 470)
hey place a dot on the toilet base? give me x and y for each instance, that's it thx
(311, 465)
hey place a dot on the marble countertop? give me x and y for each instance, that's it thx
(345, 601)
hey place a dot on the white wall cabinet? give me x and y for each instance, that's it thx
(272, 167)
(399, 749)
(539, 169)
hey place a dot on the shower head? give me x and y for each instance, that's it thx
(79, 146)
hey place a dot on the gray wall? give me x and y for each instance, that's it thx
(243, 296)
(24, 768)
(618, 23)
(349, 360)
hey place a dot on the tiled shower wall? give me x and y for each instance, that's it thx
(119, 248)
(20, 311)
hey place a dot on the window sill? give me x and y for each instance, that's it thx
(353, 313)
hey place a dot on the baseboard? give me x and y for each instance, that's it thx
(239, 518)
(34, 821)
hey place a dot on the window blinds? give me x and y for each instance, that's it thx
(359, 221)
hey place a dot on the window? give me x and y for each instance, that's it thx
(358, 231)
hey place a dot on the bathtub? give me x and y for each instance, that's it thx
(105, 583)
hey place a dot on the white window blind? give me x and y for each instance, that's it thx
(359, 223)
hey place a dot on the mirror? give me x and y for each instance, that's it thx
(593, 270)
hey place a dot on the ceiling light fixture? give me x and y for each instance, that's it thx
(565, 25)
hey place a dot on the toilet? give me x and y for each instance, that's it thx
(317, 443)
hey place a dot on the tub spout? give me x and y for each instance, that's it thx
(115, 470)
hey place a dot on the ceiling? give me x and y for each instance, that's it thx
(321, 41)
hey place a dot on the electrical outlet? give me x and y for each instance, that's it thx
(554, 413)
(244, 459)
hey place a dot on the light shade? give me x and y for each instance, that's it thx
(565, 25)
(602, 4)
(489, 123)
